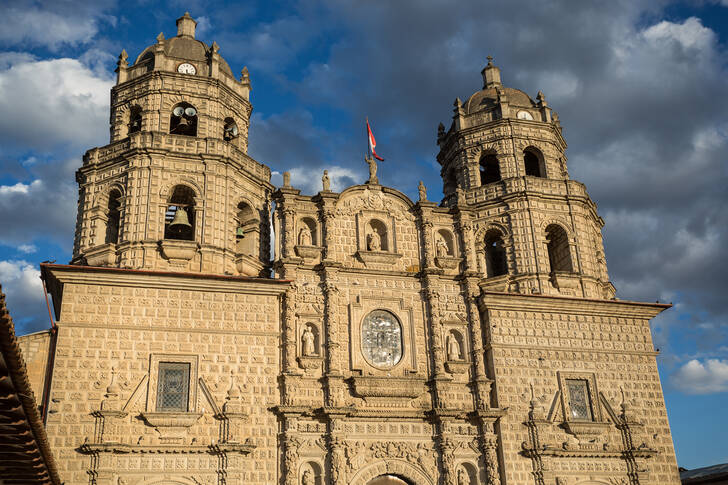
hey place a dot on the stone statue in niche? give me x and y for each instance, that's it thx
(304, 236)
(374, 241)
(423, 191)
(308, 341)
(441, 249)
(453, 347)
(463, 478)
(325, 181)
(307, 478)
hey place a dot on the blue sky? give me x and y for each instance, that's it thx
(639, 86)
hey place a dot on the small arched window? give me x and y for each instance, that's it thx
(230, 129)
(113, 215)
(183, 120)
(489, 169)
(557, 243)
(179, 220)
(247, 231)
(135, 119)
(533, 162)
(495, 254)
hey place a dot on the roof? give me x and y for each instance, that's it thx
(708, 474)
(25, 455)
(487, 99)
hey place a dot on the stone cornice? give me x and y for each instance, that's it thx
(562, 304)
(162, 279)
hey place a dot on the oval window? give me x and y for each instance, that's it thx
(381, 339)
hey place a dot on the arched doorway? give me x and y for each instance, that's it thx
(388, 480)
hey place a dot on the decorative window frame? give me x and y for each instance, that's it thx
(597, 413)
(153, 385)
(358, 310)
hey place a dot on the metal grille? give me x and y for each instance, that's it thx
(579, 399)
(174, 386)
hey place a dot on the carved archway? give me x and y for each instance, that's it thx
(401, 469)
(388, 480)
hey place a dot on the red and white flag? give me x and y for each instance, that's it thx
(372, 142)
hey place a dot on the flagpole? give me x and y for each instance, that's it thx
(369, 155)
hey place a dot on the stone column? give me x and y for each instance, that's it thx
(489, 445)
(328, 215)
(432, 297)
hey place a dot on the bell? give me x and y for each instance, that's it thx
(181, 222)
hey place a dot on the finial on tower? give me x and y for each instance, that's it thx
(491, 75)
(186, 25)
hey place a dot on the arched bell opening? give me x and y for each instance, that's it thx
(230, 129)
(179, 219)
(183, 120)
(135, 119)
(495, 254)
(534, 163)
(113, 217)
(489, 169)
(247, 231)
(557, 244)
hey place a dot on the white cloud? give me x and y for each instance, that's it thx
(37, 210)
(27, 248)
(50, 102)
(691, 34)
(697, 378)
(21, 284)
(26, 24)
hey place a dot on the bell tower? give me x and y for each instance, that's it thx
(175, 189)
(503, 167)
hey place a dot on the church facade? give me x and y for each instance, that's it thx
(389, 341)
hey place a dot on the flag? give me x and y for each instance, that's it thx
(372, 142)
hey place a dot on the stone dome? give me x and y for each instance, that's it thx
(185, 46)
(487, 98)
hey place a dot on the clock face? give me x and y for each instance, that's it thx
(186, 68)
(524, 115)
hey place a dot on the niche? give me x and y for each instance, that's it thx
(310, 474)
(377, 237)
(307, 234)
(444, 244)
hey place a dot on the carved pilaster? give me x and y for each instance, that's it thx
(447, 456)
(288, 242)
(334, 382)
(481, 383)
(466, 228)
(489, 443)
(328, 215)
(289, 331)
(433, 304)
(337, 451)
(291, 442)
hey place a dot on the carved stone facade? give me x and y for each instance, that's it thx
(473, 341)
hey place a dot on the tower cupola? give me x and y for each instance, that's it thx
(186, 26)
(491, 75)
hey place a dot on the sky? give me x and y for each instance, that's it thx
(639, 85)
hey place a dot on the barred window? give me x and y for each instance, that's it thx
(579, 399)
(173, 387)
